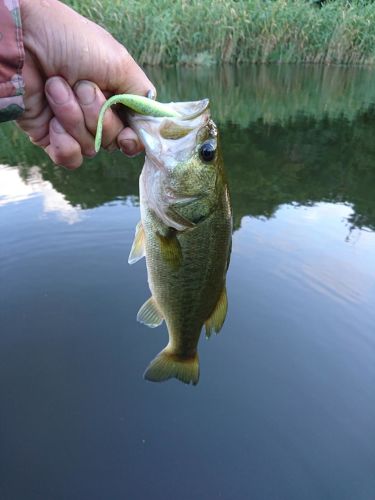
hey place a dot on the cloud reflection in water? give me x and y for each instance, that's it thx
(14, 189)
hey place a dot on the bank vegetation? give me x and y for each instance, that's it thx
(203, 32)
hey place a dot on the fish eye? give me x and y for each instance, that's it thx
(207, 151)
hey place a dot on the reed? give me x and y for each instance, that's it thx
(245, 96)
(202, 32)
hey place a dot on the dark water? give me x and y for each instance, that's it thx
(285, 407)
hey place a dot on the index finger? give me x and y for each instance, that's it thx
(127, 77)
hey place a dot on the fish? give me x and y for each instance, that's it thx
(185, 231)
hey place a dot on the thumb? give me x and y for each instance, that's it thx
(129, 78)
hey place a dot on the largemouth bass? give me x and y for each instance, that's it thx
(184, 233)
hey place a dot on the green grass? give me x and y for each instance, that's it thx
(257, 31)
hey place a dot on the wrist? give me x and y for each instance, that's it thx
(26, 10)
(35, 18)
(26, 7)
(47, 27)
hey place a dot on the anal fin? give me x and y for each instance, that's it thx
(138, 248)
(217, 318)
(149, 314)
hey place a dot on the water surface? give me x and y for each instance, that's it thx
(285, 406)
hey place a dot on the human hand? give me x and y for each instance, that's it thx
(71, 66)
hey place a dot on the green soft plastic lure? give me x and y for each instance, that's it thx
(137, 103)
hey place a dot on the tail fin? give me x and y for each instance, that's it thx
(167, 365)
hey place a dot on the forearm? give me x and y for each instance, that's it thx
(11, 61)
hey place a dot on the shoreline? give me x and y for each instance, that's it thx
(246, 31)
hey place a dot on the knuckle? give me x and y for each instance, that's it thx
(124, 54)
(40, 141)
(123, 59)
(70, 114)
(110, 135)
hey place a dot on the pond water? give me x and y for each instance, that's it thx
(285, 405)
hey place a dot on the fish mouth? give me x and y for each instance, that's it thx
(197, 109)
(184, 112)
(171, 140)
(192, 116)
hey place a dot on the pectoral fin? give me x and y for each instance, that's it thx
(171, 249)
(138, 248)
(149, 314)
(217, 318)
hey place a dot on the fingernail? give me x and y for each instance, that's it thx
(86, 93)
(129, 147)
(58, 90)
(151, 94)
(57, 127)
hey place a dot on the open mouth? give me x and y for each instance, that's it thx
(171, 140)
(201, 107)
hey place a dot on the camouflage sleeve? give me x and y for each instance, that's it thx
(11, 61)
